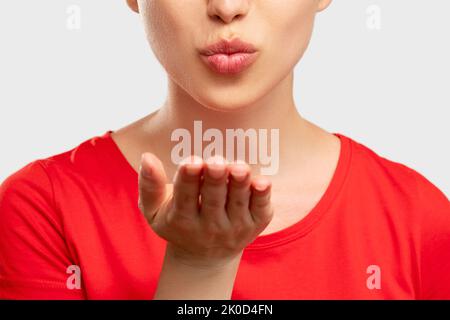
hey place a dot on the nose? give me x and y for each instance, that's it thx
(228, 10)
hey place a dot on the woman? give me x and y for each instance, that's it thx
(333, 220)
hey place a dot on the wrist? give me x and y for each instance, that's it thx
(180, 257)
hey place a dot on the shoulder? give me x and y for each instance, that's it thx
(31, 223)
(411, 203)
(35, 181)
(391, 175)
(405, 194)
(85, 157)
(26, 186)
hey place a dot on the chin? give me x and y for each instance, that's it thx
(228, 97)
(227, 101)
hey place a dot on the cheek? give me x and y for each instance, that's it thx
(166, 27)
(291, 29)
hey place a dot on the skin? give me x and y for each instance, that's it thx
(213, 209)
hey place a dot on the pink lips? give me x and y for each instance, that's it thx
(229, 57)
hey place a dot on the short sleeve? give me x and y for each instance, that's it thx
(34, 258)
(435, 243)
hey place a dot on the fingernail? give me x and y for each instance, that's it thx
(216, 171)
(193, 170)
(145, 170)
(216, 167)
(192, 166)
(261, 185)
(239, 174)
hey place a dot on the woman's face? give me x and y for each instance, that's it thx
(179, 31)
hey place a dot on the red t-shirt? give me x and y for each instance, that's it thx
(380, 231)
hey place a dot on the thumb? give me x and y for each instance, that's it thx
(152, 185)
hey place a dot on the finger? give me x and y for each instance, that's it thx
(260, 204)
(152, 185)
(239, 193)
(187, 186)
(214, 190)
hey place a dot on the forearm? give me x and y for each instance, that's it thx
(182, 281)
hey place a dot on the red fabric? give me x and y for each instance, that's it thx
(80, 208)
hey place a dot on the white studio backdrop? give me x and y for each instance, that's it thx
(377, 71)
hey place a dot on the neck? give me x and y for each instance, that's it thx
(274, 112)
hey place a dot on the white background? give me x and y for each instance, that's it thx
(388, 88)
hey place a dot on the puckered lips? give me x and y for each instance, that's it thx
(229, 56)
